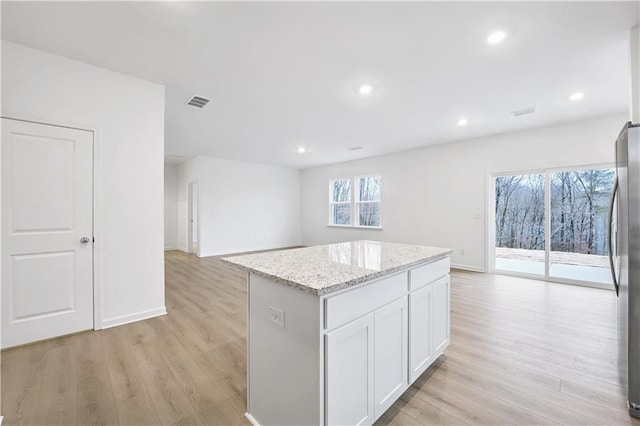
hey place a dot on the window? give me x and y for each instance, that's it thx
(341, 202)
(363, 210)
(368, 203)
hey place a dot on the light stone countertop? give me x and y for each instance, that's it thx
(325, 269)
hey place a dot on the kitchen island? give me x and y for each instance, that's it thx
(336, 333)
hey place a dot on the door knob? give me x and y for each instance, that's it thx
(84, 240)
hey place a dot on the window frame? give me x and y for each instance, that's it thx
(357, 201)
(334, 203)
(491, 228)
(354, 202)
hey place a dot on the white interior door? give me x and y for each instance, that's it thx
(193, 217)
(47, 231)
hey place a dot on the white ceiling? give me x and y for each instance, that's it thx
(281, 75)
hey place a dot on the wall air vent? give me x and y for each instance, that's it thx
(198, 101)
(355, 148)
(524, 111)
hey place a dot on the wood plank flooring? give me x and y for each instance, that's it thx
(522, 352)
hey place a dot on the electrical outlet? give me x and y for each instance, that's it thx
(461, 252)
(277, 316)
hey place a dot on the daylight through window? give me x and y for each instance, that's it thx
(554, 224)
(341, 202)
(355, 202)
(368, 203)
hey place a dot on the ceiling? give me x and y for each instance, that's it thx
(283, 75)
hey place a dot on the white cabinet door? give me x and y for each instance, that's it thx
(440, 323)
(47, 231)
(420, 311)
(391, 333)
(349, 373)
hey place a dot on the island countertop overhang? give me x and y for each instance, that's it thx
(324, 269)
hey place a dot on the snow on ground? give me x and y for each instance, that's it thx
(555, 257)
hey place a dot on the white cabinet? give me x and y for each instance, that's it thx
(371, 360)
(366, 359)
(420, 309)
(349, 373)
(390, 370)
(345, 357)
(440, 318)
(428, 325)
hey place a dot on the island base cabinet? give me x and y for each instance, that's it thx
(283, 364)
(342, 358)
(349, 373)
(390, 354)
(440, 323)
(428, 325)
(366, 365)
(420, 312)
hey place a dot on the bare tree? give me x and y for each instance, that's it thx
(579, 202)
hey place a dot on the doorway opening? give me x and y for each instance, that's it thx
(552, 224)
(193, 226)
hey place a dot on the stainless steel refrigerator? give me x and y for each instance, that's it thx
(624, 257)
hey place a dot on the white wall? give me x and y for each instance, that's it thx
(243, 206)
(634, 54)
(128, 117)
(433, 195)
(1, 417)
(171, 206)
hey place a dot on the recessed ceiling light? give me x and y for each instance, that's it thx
(497, 37)
(301, 150)
(576, 96)
(463, 122)
(365, 89)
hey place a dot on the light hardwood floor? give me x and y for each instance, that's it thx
(522, 352)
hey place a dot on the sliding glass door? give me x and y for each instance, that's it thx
(519, 223)
(579, 207)
(553, 224)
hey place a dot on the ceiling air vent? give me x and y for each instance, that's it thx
(198, 101)
(524, 111)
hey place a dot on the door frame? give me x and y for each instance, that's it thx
(190, 198)
(96, 204)
(491, 223)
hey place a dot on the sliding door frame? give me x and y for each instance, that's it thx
(491, 223)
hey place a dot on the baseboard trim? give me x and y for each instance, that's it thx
(1, 419)
(172, 248)
(138, 316)
(467, 267)
(253, 421)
